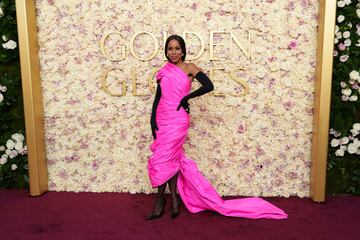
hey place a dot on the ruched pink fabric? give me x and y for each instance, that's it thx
(168, 157)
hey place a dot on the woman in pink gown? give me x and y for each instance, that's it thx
(168, 163)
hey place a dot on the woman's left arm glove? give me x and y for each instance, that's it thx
(206, 86)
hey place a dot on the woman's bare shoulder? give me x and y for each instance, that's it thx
(192, 68)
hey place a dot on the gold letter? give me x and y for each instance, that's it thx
(247, 53)
(244, 84)
(164, 38)
(151, 80)
(220, 94)
(102, 47)
(212, 44)
(134, 86)
(132, 46)
(105, 87)
(202, 45)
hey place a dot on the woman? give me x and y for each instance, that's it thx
(168, 163)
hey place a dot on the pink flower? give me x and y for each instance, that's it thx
(291, 6)
(304, 3)
(292, 45)
(271, 59)
(341, 46)
(95, 165)
(242, 128)
(194, 6)
(50, 2)
(208, 15)
(288, 105)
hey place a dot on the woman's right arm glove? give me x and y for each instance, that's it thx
(154, 126)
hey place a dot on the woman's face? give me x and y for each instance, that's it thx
(174, 51)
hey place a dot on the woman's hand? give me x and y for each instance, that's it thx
(184, 103)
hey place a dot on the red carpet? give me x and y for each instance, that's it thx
(104, 216)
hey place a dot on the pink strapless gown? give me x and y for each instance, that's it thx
(168, 157)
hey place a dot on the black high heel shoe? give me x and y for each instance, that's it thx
(174, 214)
(155, 216)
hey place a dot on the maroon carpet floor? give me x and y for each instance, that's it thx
(104, 216)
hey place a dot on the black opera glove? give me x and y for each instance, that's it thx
(184, 103)
(206, 86)
(153, 123)
(154, 127)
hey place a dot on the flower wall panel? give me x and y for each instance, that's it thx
(257, 144)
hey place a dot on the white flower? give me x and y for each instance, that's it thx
(358, 12)
(11, 44)
(341, 3)
(7, 151)
(1, 12)
(13, 154)
(19, 146)
(344, 58)
(353, 98)
(335, 142)
(354, 132)
(13, 167)
(344, 140)
(338, 35)
(339, 153)
(352, 148)
(347, 42)
(336, 41)
(340, 18)
(261, 72)
(336, 28)
(4, 38)
(354, 74)
(1, 97)
(356, 126)
(3, 161)
(10, 144)
(349, 25)
(3, 88)
(2, 148)
(18, 137)
(343, 147)
(347, 2)
(346, 34)
(342, 84)
(356, 142)
(346, 91)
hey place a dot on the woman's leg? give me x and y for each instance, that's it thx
(159, 202)
(174, 196)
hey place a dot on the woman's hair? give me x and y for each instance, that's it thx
(180, 41)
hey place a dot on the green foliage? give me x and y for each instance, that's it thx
(11, 108)
(343, 172)
(8, 29)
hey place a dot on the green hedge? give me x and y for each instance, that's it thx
(343, 164)
(13, 157)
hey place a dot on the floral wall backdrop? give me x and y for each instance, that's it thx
(258, 144)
